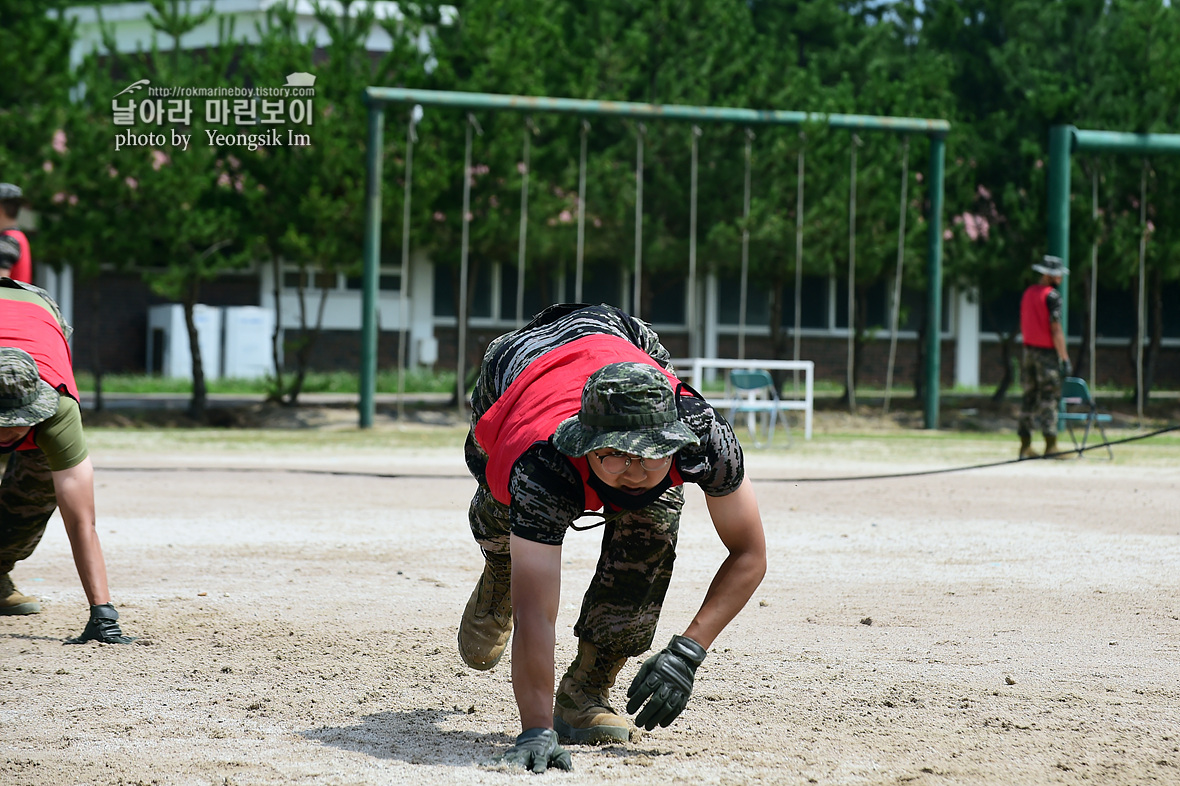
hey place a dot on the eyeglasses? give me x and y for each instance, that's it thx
(617, 463)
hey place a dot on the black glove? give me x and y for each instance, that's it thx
(1066, 368)
(537, 750)
(103, 627)
(667, 678)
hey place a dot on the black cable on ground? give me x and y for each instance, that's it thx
(425, 475)
(1053, 457)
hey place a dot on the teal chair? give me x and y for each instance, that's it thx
(757, 398)
(1078, 406)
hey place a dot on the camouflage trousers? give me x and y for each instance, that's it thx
(27, 500)
(622, 606)
(1040, 376)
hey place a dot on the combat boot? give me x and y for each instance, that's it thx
(487, 620)
(1051, 449)
(12, 601)
(581, 710)
(1026, 451)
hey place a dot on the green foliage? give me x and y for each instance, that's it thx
(343, 382)
(34, 58)
(1002, 71)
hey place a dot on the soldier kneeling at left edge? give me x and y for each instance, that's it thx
(48, 464)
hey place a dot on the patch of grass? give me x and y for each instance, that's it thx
(416, 381)
(246, 441)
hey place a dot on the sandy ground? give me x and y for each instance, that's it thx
(1019, 624)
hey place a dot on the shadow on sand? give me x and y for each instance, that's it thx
(416, 737)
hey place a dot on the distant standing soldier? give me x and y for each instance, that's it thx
(20, 268)
(48, 464)
(1045, 360)
(579, 411)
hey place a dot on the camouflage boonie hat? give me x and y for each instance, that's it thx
(628, 407)
(1051, 266)
(25, 398)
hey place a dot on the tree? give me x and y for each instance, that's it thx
(35, 44)
(182, 207)
(57, 147)
(310, 211)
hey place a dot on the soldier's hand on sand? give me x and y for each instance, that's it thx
(665, 682)
(537, 750)
(103, 627)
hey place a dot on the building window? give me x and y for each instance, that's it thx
(729, 302)
(388, 280)
(446, 287)
(599, 285)
(534, 301)
(814, 300)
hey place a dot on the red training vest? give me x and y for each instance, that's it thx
(1034, 317)
(547, 392)
(23, 269)
(34, 329)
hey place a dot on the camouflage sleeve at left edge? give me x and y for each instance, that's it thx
(717, 464)
(547, 495)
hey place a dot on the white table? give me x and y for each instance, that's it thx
(804, 405)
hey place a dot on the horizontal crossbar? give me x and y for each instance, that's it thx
(378, 96)
(1123, 142)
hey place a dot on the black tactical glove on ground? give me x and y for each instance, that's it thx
(537, 750)
(103, 627)
(667, 678)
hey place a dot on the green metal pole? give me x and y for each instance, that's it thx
(695, 114)
(1060, 140)
(1121, 142)
(934, 280)
(373, 162)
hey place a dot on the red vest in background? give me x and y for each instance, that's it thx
(1034, 317)
(547, 392)
(23, 269)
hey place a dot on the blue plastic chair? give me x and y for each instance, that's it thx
(758, 399)
(1078, 406)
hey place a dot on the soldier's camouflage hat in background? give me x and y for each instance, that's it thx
(1051, 266)
(25, 398)
(628, 407)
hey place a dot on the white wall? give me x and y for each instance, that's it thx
(966, 324)
(343, 309)
(133, 32)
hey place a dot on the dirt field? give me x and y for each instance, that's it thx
(1018, 624)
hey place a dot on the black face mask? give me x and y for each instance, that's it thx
(621, 500)
(10, 448)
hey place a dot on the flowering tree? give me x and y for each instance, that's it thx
(173, 211)
(308, 208)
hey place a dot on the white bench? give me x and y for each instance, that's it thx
(726, 401)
